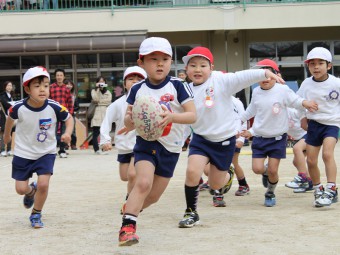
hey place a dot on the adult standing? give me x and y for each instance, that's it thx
(60, 93)
(70, 85)
(5, 98)
(102, 97)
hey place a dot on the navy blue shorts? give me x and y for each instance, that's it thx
(125, 158)
(269, 147)
(153, 151)
(220, 154)
(317, 132)
(23, 169)
(237, 150)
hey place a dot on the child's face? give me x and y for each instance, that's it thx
(38, 91)
(199, 70)
(182, 76)
(157, 65)
(268, 83)
(318, 68)
(130, 80)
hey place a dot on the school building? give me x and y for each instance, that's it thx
(89, 38)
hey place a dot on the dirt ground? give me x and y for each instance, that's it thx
(81, 215)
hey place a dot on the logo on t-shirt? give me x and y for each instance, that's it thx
(44, 125)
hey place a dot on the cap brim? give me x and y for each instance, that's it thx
(187, 58)
(262, 66)
(134, 73)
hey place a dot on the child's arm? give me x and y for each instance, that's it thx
(304, 123)
(66, 137)
(186, 117)
(7, 132)
(105, 128)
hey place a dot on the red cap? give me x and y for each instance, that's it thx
(198, 52)
(267, 63)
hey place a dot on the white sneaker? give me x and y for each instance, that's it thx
(100, 152)
(63, 155)
(9, 153)
(3, 154)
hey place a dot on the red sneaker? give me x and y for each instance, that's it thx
(127, 235)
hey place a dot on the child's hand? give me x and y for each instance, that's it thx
(65, 138)
(310, 105)
(106, 146)
(7, 138)
(271, 75)
(246, 134)
(129, 124)
(239, 144)
(167, 117)
(123, 131)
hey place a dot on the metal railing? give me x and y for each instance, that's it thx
(61, 5)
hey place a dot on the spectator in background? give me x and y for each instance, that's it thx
(5, 98)
(70, 86)
(102, 97)
(60, 93)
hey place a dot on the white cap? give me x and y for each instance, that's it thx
(320, 53)
(134, 70)
(153, 44)
(33, 73)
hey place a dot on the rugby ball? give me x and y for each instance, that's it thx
(146, 117)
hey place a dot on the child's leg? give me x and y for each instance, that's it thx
(131, 175)
(273, 169)
(22, 187)
(328, 158)
(299, 160)
(218, 178)
(258, 165)
(242, 182)
(144, 180)
(158, 187)
(123, 171)
(42, 191)
(312, 163)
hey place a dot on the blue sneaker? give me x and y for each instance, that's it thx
(36, 221)
(29, 200)
(269, 199)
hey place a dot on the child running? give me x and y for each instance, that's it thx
(323, 125)
(214, 132)
(269, 107)
(155, 161)
(115, 113)
(35, 139)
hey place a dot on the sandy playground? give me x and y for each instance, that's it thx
(81, 215)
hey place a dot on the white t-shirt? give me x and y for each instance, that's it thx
(270, 110)
(326, 95)
(115, 113)
(182, 94)
(294, 122)
(35, 132)
(217, 123)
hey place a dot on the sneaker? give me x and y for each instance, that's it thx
(74, 147)
(3, 154)
(227, 187)
(305, 188)
(127, 235)
(204, 186)
(218, 201)
(190, 219)
(36, 221)
(242, 190)
(10, 153)
(63, 155)
(265, 176)
(325, 197)
(100, 152)
(269, 199)
(297, 182)
(29, 200)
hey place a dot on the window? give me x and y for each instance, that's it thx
(108, 60)
(60, 61)
(87, 61)
(32, 61)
